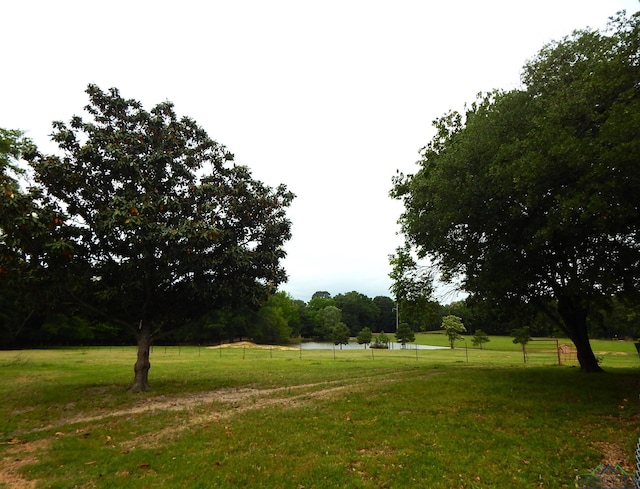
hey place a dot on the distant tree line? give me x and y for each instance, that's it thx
(282, 319)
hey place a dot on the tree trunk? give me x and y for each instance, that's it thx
(142, 365)
(574, 316)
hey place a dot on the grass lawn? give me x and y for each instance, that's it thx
(269, 417)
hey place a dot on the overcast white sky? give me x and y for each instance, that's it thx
(329, 97)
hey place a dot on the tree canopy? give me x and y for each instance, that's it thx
(404, 334)
(387, 317)
(364, 336)
(152, 224)
(358, 310)
(412, 286)
(453, 328)
(532, 196)
(23, 232)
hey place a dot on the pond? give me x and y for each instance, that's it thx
(322, 345)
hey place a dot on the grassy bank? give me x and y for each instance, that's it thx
(268, 417)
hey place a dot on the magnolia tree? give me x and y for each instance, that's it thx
(29, 233)
(453, 328)
(154, 225)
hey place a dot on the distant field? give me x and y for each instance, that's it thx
(269, 417)
(541, 351)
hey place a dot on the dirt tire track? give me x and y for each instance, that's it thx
(228, 402)
(242, 397)
(224, 396)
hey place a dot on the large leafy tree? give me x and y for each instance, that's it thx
(533, 195)
(13, 207)
(340, 334)
(329, 317)
(386, 320)
(412, 286)
(364, 336)
(26, 228)
(358, 310)
(314, 324)
(276, 320)
(453, 328)
(156, 225)
(405, 335)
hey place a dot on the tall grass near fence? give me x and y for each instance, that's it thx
(268, 417)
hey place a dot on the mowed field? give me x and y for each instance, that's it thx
(273, 417)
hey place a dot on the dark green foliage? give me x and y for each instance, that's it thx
(275, 320)
(387, 314)
(522, 336)
(404, 334)
(149, 224)
(479, 338)
(321, 294)
(28, 233)
(314, 324)
(412, 286)
(329, 318)
(531, 196)
(364, 337)
(340, 334)
(358, 310)
(380, 341)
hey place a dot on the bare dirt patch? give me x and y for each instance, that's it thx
(19, 455)
(202, 407)
(236, 399)
(240, 401)
(613, 454)
(248, 344)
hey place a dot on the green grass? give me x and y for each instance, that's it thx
(251, 417)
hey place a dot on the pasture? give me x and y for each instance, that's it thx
(270, 417)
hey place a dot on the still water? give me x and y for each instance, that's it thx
(312, 345)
